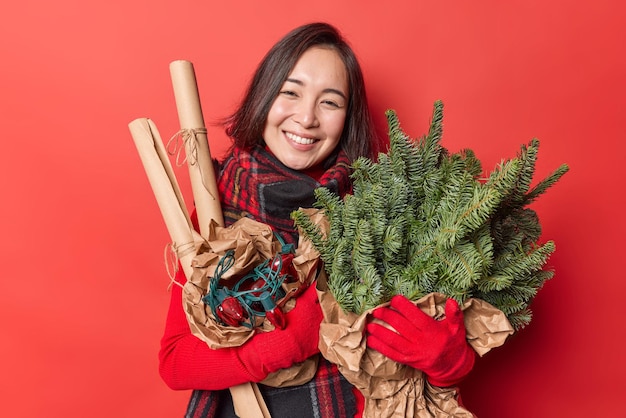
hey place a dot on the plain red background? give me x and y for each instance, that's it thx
(83, 295)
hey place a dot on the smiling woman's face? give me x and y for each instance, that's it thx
(305, 122)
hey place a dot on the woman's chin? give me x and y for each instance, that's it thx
(295, 163)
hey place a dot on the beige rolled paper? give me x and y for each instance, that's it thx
(247, 399)
(199, 162)
(166, 190)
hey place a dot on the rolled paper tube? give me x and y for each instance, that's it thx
(248, 401)
(199, 162)
(166, 190)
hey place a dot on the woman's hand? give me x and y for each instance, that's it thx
(436, 347)
(268, 352)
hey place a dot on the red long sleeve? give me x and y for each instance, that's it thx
(186, 362)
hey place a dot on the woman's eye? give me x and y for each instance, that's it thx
(288, 93)
(331, 103)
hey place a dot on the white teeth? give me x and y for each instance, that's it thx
(299, 139)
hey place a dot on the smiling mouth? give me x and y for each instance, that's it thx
(299, 140)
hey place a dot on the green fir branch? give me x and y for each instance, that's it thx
(545, 184)
(421, 220)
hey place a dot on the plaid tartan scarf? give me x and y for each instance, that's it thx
(327, 395)
(256, 185)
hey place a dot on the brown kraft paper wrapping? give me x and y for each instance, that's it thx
(253, 242)
(392, 389)
(247, 398)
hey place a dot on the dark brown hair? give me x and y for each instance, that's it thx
(246, 125)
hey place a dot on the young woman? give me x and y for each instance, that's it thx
(303, 120)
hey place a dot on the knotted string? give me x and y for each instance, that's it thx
(172, 254)
(189, 141)
(184, 145)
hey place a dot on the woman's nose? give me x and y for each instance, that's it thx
(306, 115)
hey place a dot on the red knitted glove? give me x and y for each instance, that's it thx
(436, 347)
(271, 351)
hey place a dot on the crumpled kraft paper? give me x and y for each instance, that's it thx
(392, 389)
(253, 242)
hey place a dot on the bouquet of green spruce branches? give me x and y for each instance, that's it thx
(422, 219)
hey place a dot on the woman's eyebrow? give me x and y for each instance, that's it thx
(328, 90)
